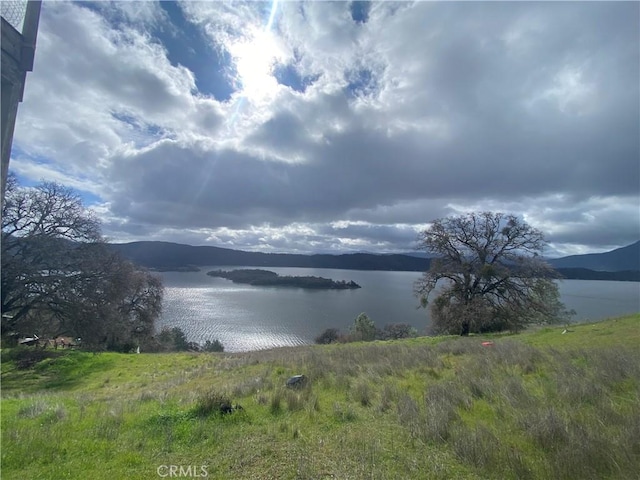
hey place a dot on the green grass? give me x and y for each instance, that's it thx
(538, 405)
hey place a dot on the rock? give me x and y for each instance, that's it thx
(297, 381)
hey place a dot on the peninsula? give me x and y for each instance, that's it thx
(267, 278)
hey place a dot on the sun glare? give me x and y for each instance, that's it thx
(254, 58)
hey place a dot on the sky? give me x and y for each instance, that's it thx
(337, 127)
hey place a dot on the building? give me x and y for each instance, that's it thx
(19, 30)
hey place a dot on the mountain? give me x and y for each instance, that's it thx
(173, 255)
(586, 274)
(620, 259)
(620, 264)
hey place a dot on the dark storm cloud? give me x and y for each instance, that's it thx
(606, 222)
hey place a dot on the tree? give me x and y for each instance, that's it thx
(175, 340)
(330, 335)
(396, 331)
(59, 277)
(215, 346)
(364, 328)
(489, 275)
(125, 299)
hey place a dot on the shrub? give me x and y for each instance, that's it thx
(275, 406)
(388, 397)
(441, 407)
(295, 401)
(213, 403)
(33, 409)
(546, 427)
(330, 335)
(395, 331)
(27, 357)
(478, 446)
(343, 413)
(510, 353)
(587, 453)
(409, 415)
(173, 339)
(349, 338)
(513, 391)
(363, 393)
(364, 327)
(215, 346)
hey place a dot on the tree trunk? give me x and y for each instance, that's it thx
(465, 329)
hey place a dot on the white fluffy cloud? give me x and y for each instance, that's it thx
(338, 133)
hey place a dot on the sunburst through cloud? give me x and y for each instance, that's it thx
(261, 126)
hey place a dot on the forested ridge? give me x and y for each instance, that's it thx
(169, 256)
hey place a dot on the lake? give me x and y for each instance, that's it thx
(247, 318)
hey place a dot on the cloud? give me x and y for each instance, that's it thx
(352, 129)
(100, 89)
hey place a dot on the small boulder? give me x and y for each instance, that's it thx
(297, 381)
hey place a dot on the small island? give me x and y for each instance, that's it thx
(267, 278)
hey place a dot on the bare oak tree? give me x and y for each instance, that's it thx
(58, 275)
(487, 274)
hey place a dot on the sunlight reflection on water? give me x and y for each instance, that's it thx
(248, 318)
(218, 313)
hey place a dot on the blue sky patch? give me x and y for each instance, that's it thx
(360, 11)
(17, 152)
(187, 46)
(145, 132)
(290, 76)
(87, 198)
(25, 181)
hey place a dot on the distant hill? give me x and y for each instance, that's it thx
(620, 264)
(586, 274)
(170, 255)
(618, 260)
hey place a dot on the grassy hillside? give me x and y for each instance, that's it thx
(538, 405)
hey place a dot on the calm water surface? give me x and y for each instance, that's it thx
(247, 318)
